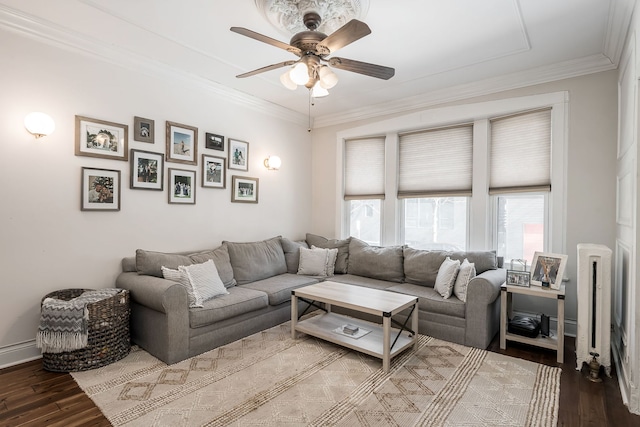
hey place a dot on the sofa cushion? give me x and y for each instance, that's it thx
(431, 301)
(483, 260)
(465, 274)
(220, 257)
(351, 279)
(205, 280)
(278, 288)
(151, 263)
(421, 266)
(292, 253)
(341, 245)
(377, 262)
(240, 300)
(253, 261)
(317, 261)
(446, 277)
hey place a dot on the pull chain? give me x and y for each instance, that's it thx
(310, 102)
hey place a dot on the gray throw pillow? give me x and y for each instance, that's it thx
(292, 253)
(220, 257)
(151, 263)
(341, 245)
(253, 261)
(377, 262)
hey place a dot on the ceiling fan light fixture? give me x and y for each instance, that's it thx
(299, 74)
(318, 91)
(328, 78)
(286, 81)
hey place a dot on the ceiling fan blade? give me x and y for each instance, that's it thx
(365, 68)
(267, 40)
(267, 68)
(347, 34)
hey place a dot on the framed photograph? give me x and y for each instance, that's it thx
(214, 142)
(547, 270)
(238, 155)
(182, 143)
(98, 138)
(214, 171)
(245, 189)
(146, 170)
(100, 190)
(143, 130)
(518, 278)
(182, 189)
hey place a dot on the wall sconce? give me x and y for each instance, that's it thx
(272, 163)
(39, 124)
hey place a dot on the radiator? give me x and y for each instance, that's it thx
(594, 305)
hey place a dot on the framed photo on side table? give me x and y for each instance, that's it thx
(182, 189)
(518, 278)
(238, 155)
(182, 143)
(100, 190)
(99, 138)
(143, 130)
(146, 170)
(214, 174)
(244, 189)
(547, 269)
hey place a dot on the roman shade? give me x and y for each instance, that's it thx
(520, 155)
(364, 168)
(436, 162)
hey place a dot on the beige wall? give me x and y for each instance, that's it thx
(591, 166)
(47, 243)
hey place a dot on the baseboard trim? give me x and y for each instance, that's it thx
(16, 354)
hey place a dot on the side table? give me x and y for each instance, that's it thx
(554, 342)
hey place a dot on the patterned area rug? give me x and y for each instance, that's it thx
(269, 379)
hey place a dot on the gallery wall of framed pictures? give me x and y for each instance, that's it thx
(101, 187)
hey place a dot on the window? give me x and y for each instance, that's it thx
(520, 225)
(364, 187)
(436, 223)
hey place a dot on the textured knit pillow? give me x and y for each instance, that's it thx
(182, 279)
(465, 274)
(446, 277)
(317, 261)
(330, 263)
(205, 280)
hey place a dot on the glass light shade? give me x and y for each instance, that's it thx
(39, 124)
(318, 91)
(286, 81)
(328, 78)
(273, 162)
(299, 73)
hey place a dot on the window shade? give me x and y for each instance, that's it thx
(436, 163)
(364, 168)
(521, 153)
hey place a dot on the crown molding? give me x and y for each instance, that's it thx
(563, 70)
(53, 34)
(618, 23)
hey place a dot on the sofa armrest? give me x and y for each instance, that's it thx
(485, 287)
(483, 308)
(154, 292)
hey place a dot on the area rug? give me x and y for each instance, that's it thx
(270, 379)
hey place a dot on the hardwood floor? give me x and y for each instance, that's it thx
(31, 396)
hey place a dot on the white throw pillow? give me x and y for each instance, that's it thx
(205, 280)
(317, 261)
(446, 277)
(182, 278)
(465, 274)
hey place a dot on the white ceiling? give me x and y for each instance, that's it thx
(441, 50)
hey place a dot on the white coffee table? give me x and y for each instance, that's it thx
(382, 341)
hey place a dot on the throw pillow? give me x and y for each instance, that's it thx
(317, 261)
(466, 273)
(182, 279)
(205, 281)
(292, 253)
(447, 277)
(341, 245)
(220, 257)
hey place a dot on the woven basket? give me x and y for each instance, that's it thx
(108, 338)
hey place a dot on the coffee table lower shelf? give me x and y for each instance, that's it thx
(323, 325)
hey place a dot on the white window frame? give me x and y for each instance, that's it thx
(481, 212)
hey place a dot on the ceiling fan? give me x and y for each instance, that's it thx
(312, 47)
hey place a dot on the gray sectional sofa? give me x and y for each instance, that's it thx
(260, 276)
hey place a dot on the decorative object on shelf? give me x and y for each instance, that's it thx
(100, 190)
(147, 170)
(182, 143)
(517, 273)
(272, 163)
(99, 138)
(238, 155)
(244, 189)
(182, 189)
(143, 130)
(525, 326)
(214, 142)
(39, 124)
(214, 171)
(547, 269)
